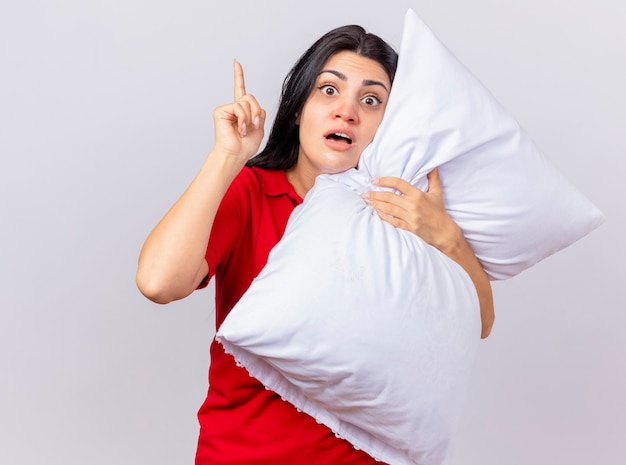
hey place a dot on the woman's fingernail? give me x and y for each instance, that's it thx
(244, 130)
(375, 181)
(257, 122)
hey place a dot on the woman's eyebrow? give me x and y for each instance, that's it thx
(370, 82)
(343, 77)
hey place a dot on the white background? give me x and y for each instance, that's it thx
(105, 116)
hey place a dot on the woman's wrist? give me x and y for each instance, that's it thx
(219, 165)
(451, 241)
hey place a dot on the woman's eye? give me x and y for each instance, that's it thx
(371, 101)
(327, 89)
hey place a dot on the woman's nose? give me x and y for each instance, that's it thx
(347, 111)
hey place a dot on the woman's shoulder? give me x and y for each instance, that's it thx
(246, 180)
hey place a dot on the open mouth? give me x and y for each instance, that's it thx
(340, 137)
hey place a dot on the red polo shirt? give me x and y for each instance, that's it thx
(242, 423)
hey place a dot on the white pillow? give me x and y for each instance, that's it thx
(364, 326)
(514, 208)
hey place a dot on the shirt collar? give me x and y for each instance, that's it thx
(275, 183)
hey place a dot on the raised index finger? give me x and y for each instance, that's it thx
(240, 86)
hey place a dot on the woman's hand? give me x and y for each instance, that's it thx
(239, 125)
(424, 214)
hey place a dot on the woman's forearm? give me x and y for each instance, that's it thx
(172, 261)
(460, 251)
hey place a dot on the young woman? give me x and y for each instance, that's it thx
(332, 103)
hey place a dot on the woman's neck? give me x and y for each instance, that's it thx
(301, 179)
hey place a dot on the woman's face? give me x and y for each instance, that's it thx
(342, 114)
